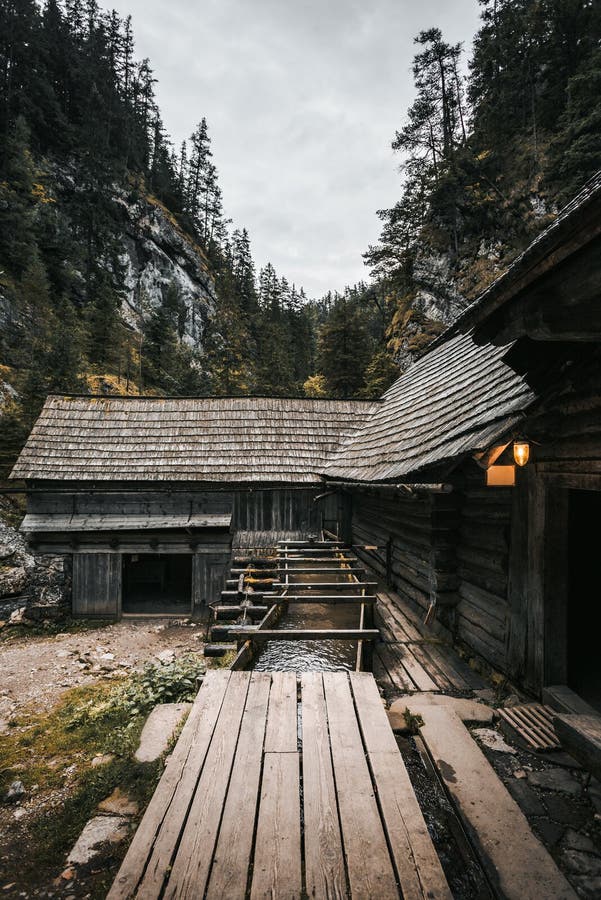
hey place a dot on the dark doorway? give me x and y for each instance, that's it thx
(584, 595)
(157, 583)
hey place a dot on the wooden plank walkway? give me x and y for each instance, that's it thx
(283, 788)
(410, 658)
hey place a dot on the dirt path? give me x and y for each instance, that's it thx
(39, 669)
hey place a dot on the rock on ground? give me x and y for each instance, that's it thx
(99, 835)
(419, 704)
(118, 804)
(158, 730)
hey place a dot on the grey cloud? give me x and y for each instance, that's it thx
(302, 100)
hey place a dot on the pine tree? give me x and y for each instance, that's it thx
(17, 241)
(343, 349)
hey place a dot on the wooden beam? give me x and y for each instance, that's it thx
(255, 633)
(334, 585)
(302, 571)
(327, 599)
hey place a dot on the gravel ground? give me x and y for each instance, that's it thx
(38, 669)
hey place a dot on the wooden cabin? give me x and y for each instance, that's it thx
(501, 557)
(146, 493)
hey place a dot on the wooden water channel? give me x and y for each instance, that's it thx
(262, 588)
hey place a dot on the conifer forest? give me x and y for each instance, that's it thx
(488, 150)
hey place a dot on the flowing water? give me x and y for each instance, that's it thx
(305, 656)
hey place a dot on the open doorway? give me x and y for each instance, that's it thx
(584, 596)
(157, 584)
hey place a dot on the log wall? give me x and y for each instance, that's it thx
(481, 615)
(401, 532)
(453, 549)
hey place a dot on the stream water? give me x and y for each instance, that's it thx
(305, 656)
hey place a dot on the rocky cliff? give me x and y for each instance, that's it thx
(155, 253)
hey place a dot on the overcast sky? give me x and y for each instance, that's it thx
(302, 99)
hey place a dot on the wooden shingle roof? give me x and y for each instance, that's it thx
(457, 399)
(463, 395)
(241, 439)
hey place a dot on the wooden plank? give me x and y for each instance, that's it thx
(244, 657)
(282, 721)
(189, 873)
(448, 663)
(324, 860)
(417, 865)
(330, 585)
(357, 599)
(405, 625)
(515, 861)
(167, 810)
(414, 669)
(256, 633)
(382, 676)
(422, 654)
(397, 674)
(315, 570)
(277, 871)
(233, 851)
(581, 736)
(370, 869)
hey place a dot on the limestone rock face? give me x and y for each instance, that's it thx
(154, 253)
(157, 253)
(12, 580)
(437, 297)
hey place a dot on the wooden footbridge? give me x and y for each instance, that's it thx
(284, 788)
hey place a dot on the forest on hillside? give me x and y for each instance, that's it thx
(485, 162)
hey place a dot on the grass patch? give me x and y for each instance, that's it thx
(221, 662)
(413, 721)
(54, 750)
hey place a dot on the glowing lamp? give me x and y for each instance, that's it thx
(521, 452)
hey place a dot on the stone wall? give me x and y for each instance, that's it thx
(33, 587)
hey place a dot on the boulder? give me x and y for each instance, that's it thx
(419, 704)
(118, 804)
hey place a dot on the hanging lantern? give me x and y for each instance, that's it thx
(521, 452)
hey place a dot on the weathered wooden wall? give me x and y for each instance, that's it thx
(451, 548)
(566, 456)
(98, 553)
(482, 566)
(128, 501)
(401, 532)
(278, 510)
(97, 585)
